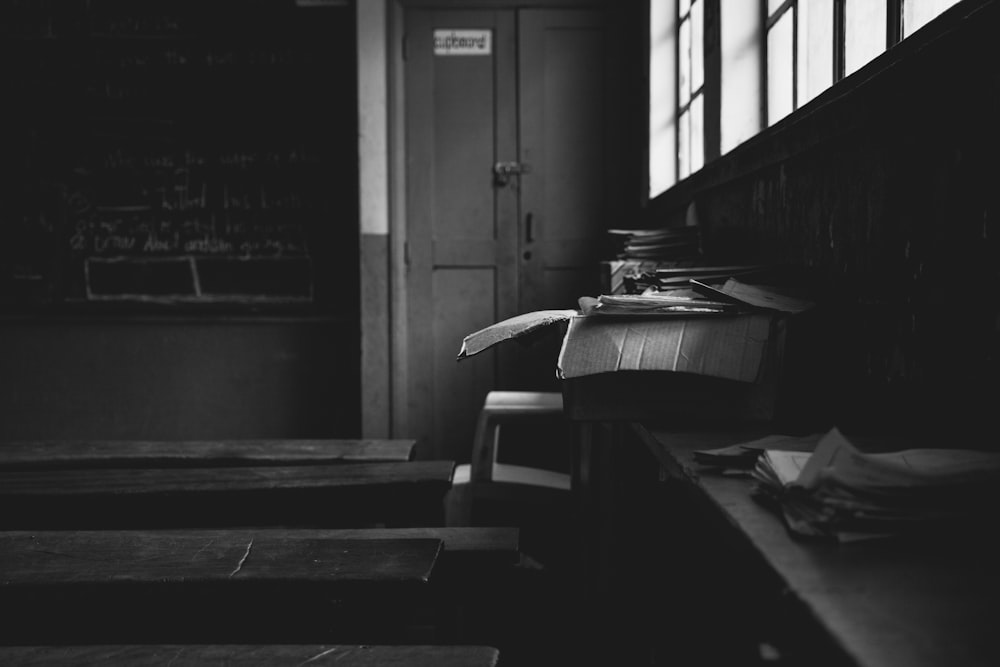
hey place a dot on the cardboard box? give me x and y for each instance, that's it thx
(719, 367)
(730, 347)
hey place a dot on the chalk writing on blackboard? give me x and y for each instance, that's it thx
(155, 165)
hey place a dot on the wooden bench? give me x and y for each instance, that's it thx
(463, 547)
(257, 654)
(355, 495)
(234, 490)
(222, 586)
(70, 454)
(132, 569)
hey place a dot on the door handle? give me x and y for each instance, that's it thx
(502, 171)
(529, 228)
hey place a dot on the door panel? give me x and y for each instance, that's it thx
(461, 275)
(563, 126)
(462, 303)
(562, 84)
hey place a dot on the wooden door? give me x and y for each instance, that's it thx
(570, 135)
(525, 87)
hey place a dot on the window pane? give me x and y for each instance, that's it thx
(682, 7)
(697, 45)
(684, 66)
(697, 133)
(779, 69)
(684, 145)
(772, 5)
(662, 98)
(742, 83)
(865, 28)
(917, 13)
(815, 48)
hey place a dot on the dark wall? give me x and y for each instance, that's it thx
(175, 379)
(885, 189)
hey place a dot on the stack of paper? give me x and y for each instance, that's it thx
(654, 304)
(682, 276)
(760, 296)
(838, 491)
(656, 243)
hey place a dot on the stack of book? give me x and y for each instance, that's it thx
(840, 492)
(661, 243)
(634, 255)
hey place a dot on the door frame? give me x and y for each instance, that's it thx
(386, 409)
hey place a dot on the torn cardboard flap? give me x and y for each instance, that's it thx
(513, 327)
(730, 347)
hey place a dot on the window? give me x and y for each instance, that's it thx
(917, 13)
(780, 61)
(864, 32)
(662, 97)
(800, 53)
(811, 44)
(677, 92)
(773, 57)
(814, 52)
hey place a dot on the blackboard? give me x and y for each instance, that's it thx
(196, 152)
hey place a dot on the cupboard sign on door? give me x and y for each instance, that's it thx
(450, 42)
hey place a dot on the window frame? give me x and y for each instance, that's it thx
(716, 129)
(893, 36)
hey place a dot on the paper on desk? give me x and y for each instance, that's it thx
(745, 454)
(837, 460)
(839, 491)
(785, 467)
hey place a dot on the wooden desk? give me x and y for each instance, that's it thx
(70, 454)
(404, 493)
(463, 546)
(742, 586)
(218, 586)
(256, 654)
